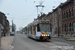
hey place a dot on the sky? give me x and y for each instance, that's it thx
(23, 12)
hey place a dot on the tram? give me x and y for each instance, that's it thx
(39, 29)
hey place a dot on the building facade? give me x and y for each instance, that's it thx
(50, 16)
(68, 18)
(5, 23)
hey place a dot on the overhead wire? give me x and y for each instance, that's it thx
(32, 13)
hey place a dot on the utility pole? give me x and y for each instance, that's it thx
(12, 26)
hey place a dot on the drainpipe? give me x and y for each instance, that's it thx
(58, 21)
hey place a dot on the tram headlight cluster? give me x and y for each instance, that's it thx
(45, 35)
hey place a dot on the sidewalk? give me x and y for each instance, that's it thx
(66, 38)
(5, 41)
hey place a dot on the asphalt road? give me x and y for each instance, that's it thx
(22, 42)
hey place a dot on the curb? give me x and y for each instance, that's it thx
(9, 45)
(70, 40)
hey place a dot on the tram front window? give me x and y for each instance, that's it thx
(43, 27)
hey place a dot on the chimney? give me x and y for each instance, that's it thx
(38, 16)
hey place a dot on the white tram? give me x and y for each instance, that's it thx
(39, 29)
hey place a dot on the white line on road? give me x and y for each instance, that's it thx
(11, 47)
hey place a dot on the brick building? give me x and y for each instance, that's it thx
(63, 18)
(5, 23)
(68, 18)
(7, 26)
(50, 16)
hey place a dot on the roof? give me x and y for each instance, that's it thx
(67, 2)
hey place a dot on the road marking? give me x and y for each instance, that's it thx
(10, 47)
(60, 43)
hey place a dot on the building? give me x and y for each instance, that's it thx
(7, 26)
(50, 16)
(40, 17)
(62, 19)
(68, 18)
(5, 23)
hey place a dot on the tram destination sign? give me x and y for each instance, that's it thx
(44, 22)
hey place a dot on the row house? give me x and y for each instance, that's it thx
(41, 17)
(68, 17)
(7, 26)
(57, 21)
(62, 19)
(5, 23)
(49, 16)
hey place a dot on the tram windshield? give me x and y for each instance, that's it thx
(43, 27)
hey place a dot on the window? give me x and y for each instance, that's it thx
(70, 27)
(34, 29)
(72, 11)
(65, 27)
(38, 27)
(62, 15)
(69, 12)
(65, 14)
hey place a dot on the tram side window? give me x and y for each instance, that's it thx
(38, 27)
(35, 29)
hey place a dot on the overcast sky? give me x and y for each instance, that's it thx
(24, 11)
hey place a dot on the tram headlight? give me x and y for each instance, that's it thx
(42, 35)
(48, 35)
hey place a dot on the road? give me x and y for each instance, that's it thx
(22, 42)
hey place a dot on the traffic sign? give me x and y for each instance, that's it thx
(74, 25)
